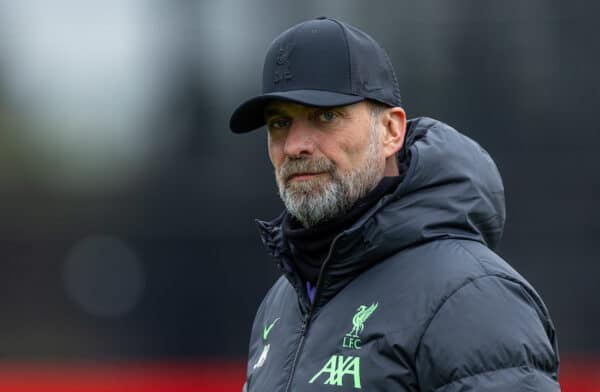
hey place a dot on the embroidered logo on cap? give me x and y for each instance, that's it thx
(282, 71)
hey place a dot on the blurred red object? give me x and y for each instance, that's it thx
(213, 376)
(580, 373)
(577, 374)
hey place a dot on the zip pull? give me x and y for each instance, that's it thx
(305, 322)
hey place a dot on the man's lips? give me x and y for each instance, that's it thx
(303, 176)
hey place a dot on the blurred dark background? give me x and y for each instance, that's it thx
(127, 205)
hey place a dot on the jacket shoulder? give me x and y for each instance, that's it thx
(488, 334)
(461, 310)
(482, 326)
(440, 267)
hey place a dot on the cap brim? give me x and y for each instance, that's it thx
(250, 114)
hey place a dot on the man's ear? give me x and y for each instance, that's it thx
(394, 121)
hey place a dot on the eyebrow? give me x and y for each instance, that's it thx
(269, 112)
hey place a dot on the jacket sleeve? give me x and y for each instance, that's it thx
(490, 334)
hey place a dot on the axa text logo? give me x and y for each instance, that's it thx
(337, 367)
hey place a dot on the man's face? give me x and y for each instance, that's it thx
(325, 159)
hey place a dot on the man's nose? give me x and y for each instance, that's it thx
(300, 140)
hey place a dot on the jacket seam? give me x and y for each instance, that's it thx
(539, 307)
(443, 302)
(477, 259)
(451, 294)
(347, 51)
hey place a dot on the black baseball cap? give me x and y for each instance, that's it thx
(320, 62)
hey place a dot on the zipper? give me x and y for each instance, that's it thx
(297, 354)
(307, 318)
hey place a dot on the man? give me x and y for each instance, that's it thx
(389, 279)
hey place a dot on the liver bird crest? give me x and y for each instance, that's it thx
(362, 314)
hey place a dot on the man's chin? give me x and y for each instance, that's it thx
(303, 191)
(309, 185)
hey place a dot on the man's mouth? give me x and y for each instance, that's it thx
(304, 176)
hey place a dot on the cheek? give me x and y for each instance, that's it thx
(275, 153)
(350, 151)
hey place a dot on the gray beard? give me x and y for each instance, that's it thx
(327, 196)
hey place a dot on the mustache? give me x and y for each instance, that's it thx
(295, 166)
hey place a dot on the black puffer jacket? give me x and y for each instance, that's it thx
(411, 297)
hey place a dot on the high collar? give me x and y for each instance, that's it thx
(309, 247)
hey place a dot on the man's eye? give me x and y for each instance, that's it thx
(327, 116)
(277, 124)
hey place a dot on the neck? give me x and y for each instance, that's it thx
(391, 167)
